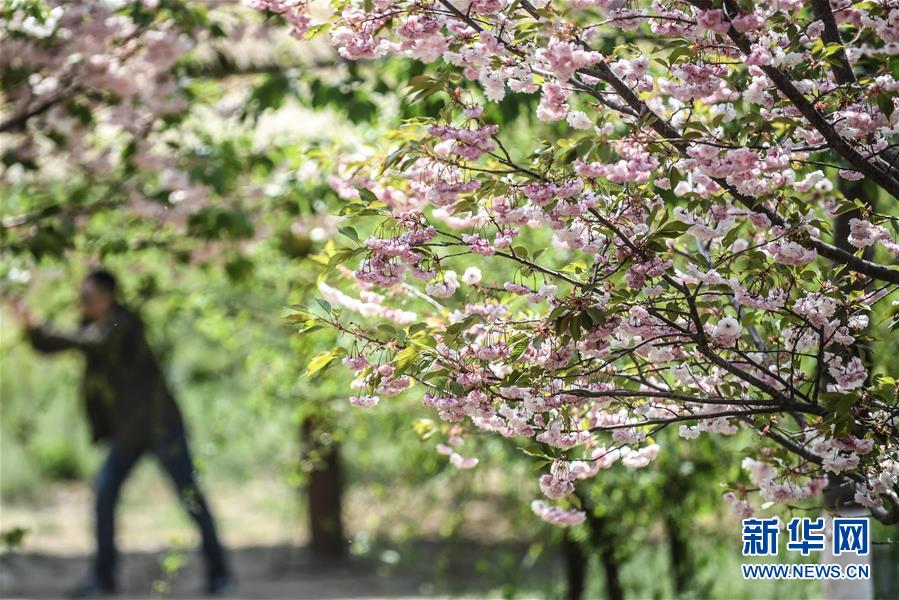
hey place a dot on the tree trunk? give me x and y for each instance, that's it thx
(576, 563)
(604, 541)
(679, 554)
(840, 492)
(320, 457)
(611, 570)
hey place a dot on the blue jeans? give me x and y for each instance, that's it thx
(174, 457)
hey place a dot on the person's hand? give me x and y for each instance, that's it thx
(21, 313)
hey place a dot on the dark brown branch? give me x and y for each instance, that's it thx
(842, 72)
(875, 169)
(669, 396)
(680, 418)
(19, 120)
(664, 129)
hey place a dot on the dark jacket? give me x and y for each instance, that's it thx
(123, 389)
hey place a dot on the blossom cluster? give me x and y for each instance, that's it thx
(104, 88)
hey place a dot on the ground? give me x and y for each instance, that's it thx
(262, 525)
(262, 572)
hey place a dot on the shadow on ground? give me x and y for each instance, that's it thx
(415, 569)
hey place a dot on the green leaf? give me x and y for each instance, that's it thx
(326, 306)
(367, 195)
(672, 229)
(321, 362)
(416, 327)
(831, 49)
(350, 233)
(839, 403)
(885, 104)
(404, 358)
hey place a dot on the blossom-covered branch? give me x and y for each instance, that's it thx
(659, 255)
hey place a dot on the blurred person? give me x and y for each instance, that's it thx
(130, 408)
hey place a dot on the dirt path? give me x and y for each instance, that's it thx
(417, 570)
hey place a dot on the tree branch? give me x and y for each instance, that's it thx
(873, 169)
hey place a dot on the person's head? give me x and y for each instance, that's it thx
(98, 294)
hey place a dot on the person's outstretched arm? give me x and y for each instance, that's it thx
(44, 339)
(98, 337)
(41, 337)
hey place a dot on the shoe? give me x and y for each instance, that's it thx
(219, 586)
(92, 588)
